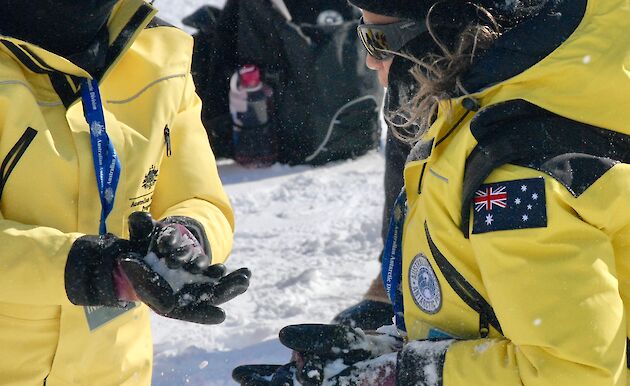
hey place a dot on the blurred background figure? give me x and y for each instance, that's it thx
(322, 104)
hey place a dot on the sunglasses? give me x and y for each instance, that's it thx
(381, 40)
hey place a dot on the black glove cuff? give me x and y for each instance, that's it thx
(421, 363)
(195, 228)
(89, 270)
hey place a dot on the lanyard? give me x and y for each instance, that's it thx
(391, 268)
(106, 162)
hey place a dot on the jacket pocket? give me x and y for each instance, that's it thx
(13, 156)
(29, 341)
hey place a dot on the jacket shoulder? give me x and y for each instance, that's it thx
(520, 133)
(164, 45)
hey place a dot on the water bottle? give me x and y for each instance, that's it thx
(253, 135)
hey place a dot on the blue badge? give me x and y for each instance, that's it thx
(508, 205)
(391, 268)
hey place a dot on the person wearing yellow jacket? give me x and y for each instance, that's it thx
(507, 258)
(100, 134)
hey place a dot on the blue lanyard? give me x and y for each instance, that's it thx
(106, 162)
(391, 268)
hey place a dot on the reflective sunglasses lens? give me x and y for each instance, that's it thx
(374, 41)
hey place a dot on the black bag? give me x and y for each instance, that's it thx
(214, 60)
(326, 101)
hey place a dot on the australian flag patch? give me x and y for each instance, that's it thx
(508, 205)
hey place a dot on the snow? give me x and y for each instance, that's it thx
(430, 352)
(176, 278)
(311, 237)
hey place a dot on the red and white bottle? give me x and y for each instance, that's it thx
(253, 135)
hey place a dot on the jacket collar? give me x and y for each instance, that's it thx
(129, 17)
(525, 45)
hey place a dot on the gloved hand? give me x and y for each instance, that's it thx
(179, 241)
(367, 315)
(330, 355)
(90, 267)
(170, 272)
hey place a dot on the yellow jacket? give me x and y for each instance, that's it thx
(49, 195)
(531, 278)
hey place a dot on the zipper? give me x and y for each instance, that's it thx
(450, 131)
(465, 290)
(471, 105)
(14, 155)
(167, 141)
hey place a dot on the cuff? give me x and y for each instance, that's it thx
(421, 363)
(88, 273)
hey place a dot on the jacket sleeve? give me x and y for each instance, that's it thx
(189, 184)
(555, 292)
(40, 282)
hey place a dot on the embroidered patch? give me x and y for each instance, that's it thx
(150, 178)
(508, 205)
(424, 285)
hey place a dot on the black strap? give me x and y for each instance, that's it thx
(14, 155)
(465, 290)
(30, 63)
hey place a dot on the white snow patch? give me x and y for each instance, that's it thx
(176, 278)
(173, 11)
(313, 374)
(431, 351)
(311, 237)
(483, 347)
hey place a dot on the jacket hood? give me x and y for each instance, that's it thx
(64, 26)
(572, 59)
(128, 18)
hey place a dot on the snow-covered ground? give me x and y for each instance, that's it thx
(311, 237)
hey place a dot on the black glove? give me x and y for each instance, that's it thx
(366, 315)
(328, 354)
(265, 375)
(89, 270)
(180, 241)
(173, 275)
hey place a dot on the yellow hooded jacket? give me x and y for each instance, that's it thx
(517, 233)
(49, 195)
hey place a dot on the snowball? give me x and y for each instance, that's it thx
(176, 278)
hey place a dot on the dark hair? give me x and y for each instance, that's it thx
(438, 74)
